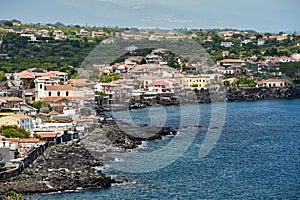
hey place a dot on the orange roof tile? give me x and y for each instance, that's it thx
(159, 83)
(26, 74)
(29, 140)
(55, 99)
(77, 81)
(232, 60)
(47, 135)
(20, 116)
(13, 99)
(12, 139)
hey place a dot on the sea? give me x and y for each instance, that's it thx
(239, 150)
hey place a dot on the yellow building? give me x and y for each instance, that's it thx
(192, 82)
(16, 119)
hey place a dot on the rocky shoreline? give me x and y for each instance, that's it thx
(61, 167)
(216, 95)
(73, 166)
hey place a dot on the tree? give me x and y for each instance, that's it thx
(32, 84)
(226, 83)
(42, 106)
(85, 112)
(12, 196)
(2, 76)
(13, 131)
(109, 78)
(8, 23)
(291, 69)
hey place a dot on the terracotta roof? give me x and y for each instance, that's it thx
(26, 74)
(53, 113)
(12, 99)
(12, 139)
(275, 80)
(47, 135)
(55, 99)
(20, 116)
(110, 84)
(232, 60)
(60, 88)
(77, 81)
(29, 140)
(159, 83)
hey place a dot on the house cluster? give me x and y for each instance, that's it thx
(56, 34)
(152, 74)
(227, 37)
(58, 119)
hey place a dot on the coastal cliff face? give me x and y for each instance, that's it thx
(225, 95)
(252, 94)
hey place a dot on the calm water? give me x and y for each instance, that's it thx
(257, 156)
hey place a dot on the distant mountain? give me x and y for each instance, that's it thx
(265, 16)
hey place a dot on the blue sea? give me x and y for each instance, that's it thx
(242, 150)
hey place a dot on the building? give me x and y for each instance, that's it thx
(10, 103)
(190, 82)
(284, 59)
(230, 62)
(98, 34)
(20, 120)
(43, 33)
(261, 41)
(31, 36)
(272, 83)
(58, 32)
(226, 44)
(84, 32)
(43, 90)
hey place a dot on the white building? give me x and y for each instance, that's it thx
(44, 90)
(31, 36)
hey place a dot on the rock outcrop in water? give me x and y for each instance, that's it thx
(117, 136)
(72, 166)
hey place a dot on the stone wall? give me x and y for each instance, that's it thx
(32, 156)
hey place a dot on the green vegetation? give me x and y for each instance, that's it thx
(49, 54)
(100, 93)
(271, 47)
(14, 132)
(85, 112)
(138, 52)
(14, 196)
(291, 69)
(42, 106)
(109, 78)
(245, 83)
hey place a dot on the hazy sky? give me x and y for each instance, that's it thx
(260, 15)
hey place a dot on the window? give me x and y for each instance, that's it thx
(41, 86)
(49, 94)
(58, 94)
(67, 93)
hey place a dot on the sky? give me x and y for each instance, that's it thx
(260, 15)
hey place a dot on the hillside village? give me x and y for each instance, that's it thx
(52, 104)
